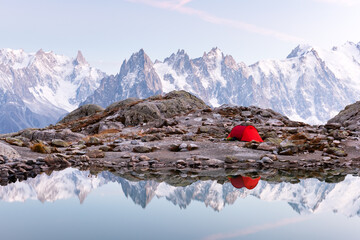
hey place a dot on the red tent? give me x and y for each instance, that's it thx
(240, 182)
(245, 133)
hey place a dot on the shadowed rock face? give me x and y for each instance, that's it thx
(349, 117)
(83, 111)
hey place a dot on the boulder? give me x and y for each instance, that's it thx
(348, 118)
(142, 149)
(50, 134)
(59, 143)
(82, 111)
(156, 109)
(14, 141)
(8, 151)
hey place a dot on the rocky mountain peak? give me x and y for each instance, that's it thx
(180, 61)
(214, 53)
(139, 59)
(40, 52)
(230, 62)
(181, 54)
(80, 60)
(300, 50)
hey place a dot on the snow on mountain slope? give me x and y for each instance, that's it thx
(307, 197)
(45, 84)
(310, 85)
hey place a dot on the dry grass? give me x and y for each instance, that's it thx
(40, 148)
(106, 133)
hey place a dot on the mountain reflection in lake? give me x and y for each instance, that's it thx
(202, 210)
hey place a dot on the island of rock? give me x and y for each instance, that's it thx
(178, 136)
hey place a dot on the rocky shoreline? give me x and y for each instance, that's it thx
(178, 136)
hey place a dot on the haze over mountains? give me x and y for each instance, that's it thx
(310, 85)
(307, 197)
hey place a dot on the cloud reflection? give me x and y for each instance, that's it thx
(256, 229)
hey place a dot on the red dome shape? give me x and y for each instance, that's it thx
(240, 182)
(245, 133)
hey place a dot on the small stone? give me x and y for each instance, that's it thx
(93, 141)
(143, 164)
(332, 126)
(214, 163)
(119, 140)
(203, 129)
(105, 148)
(275, 122)
(181, 164)
(77, 152)
(59, 143)
(144, 158)
(174, 147)
(230, 159)
(134, 142)
(287, 151)
(189, 137)
(95, 154)
(192, 146)
(267, 160)
(201, 158)
(183, 146)
(265, 146)
(142, 149)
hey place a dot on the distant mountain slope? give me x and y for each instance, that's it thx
(37, 88)
(310, 85)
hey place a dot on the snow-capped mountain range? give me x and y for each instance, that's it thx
(307, 197)
(310, 85)
(37, 88)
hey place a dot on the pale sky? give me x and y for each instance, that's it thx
(108, 31)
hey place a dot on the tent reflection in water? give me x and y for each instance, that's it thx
(240, 182)
(244, 133)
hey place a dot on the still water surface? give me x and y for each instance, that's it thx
(72, 204)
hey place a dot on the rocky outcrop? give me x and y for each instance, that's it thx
(179, 131)
(348, 118)
(83, 111)
(132, 112)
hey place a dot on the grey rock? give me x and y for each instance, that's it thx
(59, 143)
(83, 111)
(142, 149)
(8, 151)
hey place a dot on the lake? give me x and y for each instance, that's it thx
(74, 204)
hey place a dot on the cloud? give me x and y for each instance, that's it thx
(180, 6)
(255, 229)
